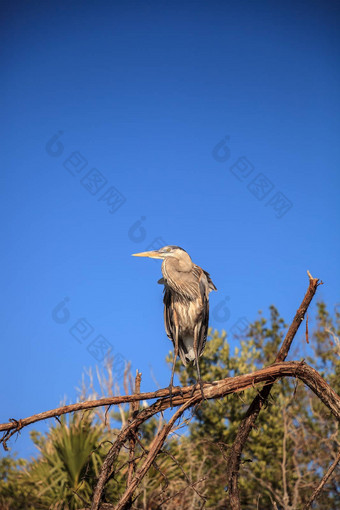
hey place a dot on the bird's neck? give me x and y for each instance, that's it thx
(182, 266)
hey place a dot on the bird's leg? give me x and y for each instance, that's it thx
(199, 380)
(173, 363)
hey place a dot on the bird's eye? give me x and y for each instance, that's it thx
(169, 249)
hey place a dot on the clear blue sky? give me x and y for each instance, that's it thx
(215, 125)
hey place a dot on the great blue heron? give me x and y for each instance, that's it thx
(186, 304)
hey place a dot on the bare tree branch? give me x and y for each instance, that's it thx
(284, 460)
(213, 390)
(134, 406)
(234, 459)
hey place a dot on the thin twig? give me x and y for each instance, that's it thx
(134, 406)
(191, 486)
(133, 409)
(323, 481)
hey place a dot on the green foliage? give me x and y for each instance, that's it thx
(70, 458)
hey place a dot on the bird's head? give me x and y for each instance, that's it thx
(163, 253)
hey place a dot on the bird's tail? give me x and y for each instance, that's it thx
(186, 349)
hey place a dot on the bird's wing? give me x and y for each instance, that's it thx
(210, 282)
(186, 286)
(204, 286)
(189, 284)
(195, 287)
(169, 321)
(168, 314)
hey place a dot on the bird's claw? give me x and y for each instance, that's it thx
(171, 387)
(201, 384)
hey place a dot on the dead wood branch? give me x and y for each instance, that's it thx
(247, 424)
(134, 406)
(212, 390)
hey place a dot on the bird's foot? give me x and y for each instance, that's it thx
(201, 384)
(181, 391)
(171, 388)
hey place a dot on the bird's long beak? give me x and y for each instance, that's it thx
(155, 254)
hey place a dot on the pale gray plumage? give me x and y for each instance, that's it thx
(186, 303)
